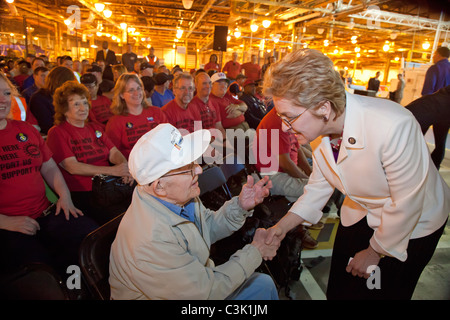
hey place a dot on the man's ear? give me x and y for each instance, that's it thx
(158, 188)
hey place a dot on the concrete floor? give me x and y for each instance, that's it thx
(434, 283)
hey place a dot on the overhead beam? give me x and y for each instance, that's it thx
(202, 14)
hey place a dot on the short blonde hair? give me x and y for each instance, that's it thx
(13, 88)
(307, 78)
(118, 104)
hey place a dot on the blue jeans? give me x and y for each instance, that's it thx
(259, 286)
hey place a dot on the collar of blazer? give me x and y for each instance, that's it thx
(353, 135)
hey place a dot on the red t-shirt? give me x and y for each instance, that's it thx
(88, 145)
(232, 69)
(252, 71)
(125, 131)
(22, 153)
(181, 118)
(209, 112)
(100, 108)
(19, 79)
(212, 66)
(221, 104)
(266, 143)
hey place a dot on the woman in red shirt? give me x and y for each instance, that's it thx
(83, 149)
(132, 116)
(31, 230)
(212, 64)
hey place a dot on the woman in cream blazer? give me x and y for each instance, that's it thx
(373, 151)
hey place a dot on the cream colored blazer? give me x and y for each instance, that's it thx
(385, 171)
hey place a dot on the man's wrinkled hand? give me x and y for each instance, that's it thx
(253, 194)
(268, 251)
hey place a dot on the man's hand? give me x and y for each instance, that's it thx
(233, 111)
(268, 251)
(253, 194)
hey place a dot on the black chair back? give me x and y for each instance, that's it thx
(94, 258)
(211, 179)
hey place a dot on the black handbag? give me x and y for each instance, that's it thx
(110, 190)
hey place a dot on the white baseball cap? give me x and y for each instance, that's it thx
(218, 76)
(163, 149)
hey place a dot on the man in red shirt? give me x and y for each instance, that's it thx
(252, 70)
(178, 111)
(231, 110)
(209, 113)
(232, 67)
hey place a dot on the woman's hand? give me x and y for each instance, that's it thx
(120, 170)
(67, 206)
(22, 224)
(359, 265)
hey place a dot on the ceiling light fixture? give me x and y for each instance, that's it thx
(187, 4)
(99, 6)
(266, 23)
(107, 13)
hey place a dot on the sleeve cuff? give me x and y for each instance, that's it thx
(310, 215)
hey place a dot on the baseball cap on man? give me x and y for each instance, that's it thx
(163, 149)
(162, 77)
(249, 82)
(219, 76)
(146, 65)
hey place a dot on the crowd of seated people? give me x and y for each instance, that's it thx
(75, 119)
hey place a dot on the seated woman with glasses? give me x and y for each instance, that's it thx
(83, 150)
(132, 116)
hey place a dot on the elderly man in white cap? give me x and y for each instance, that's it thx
(161, 250)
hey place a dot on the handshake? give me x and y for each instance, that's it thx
(267, 241)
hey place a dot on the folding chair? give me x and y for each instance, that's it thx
(94, 258)
(35, 281)
(231, 166)
(211, 179)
